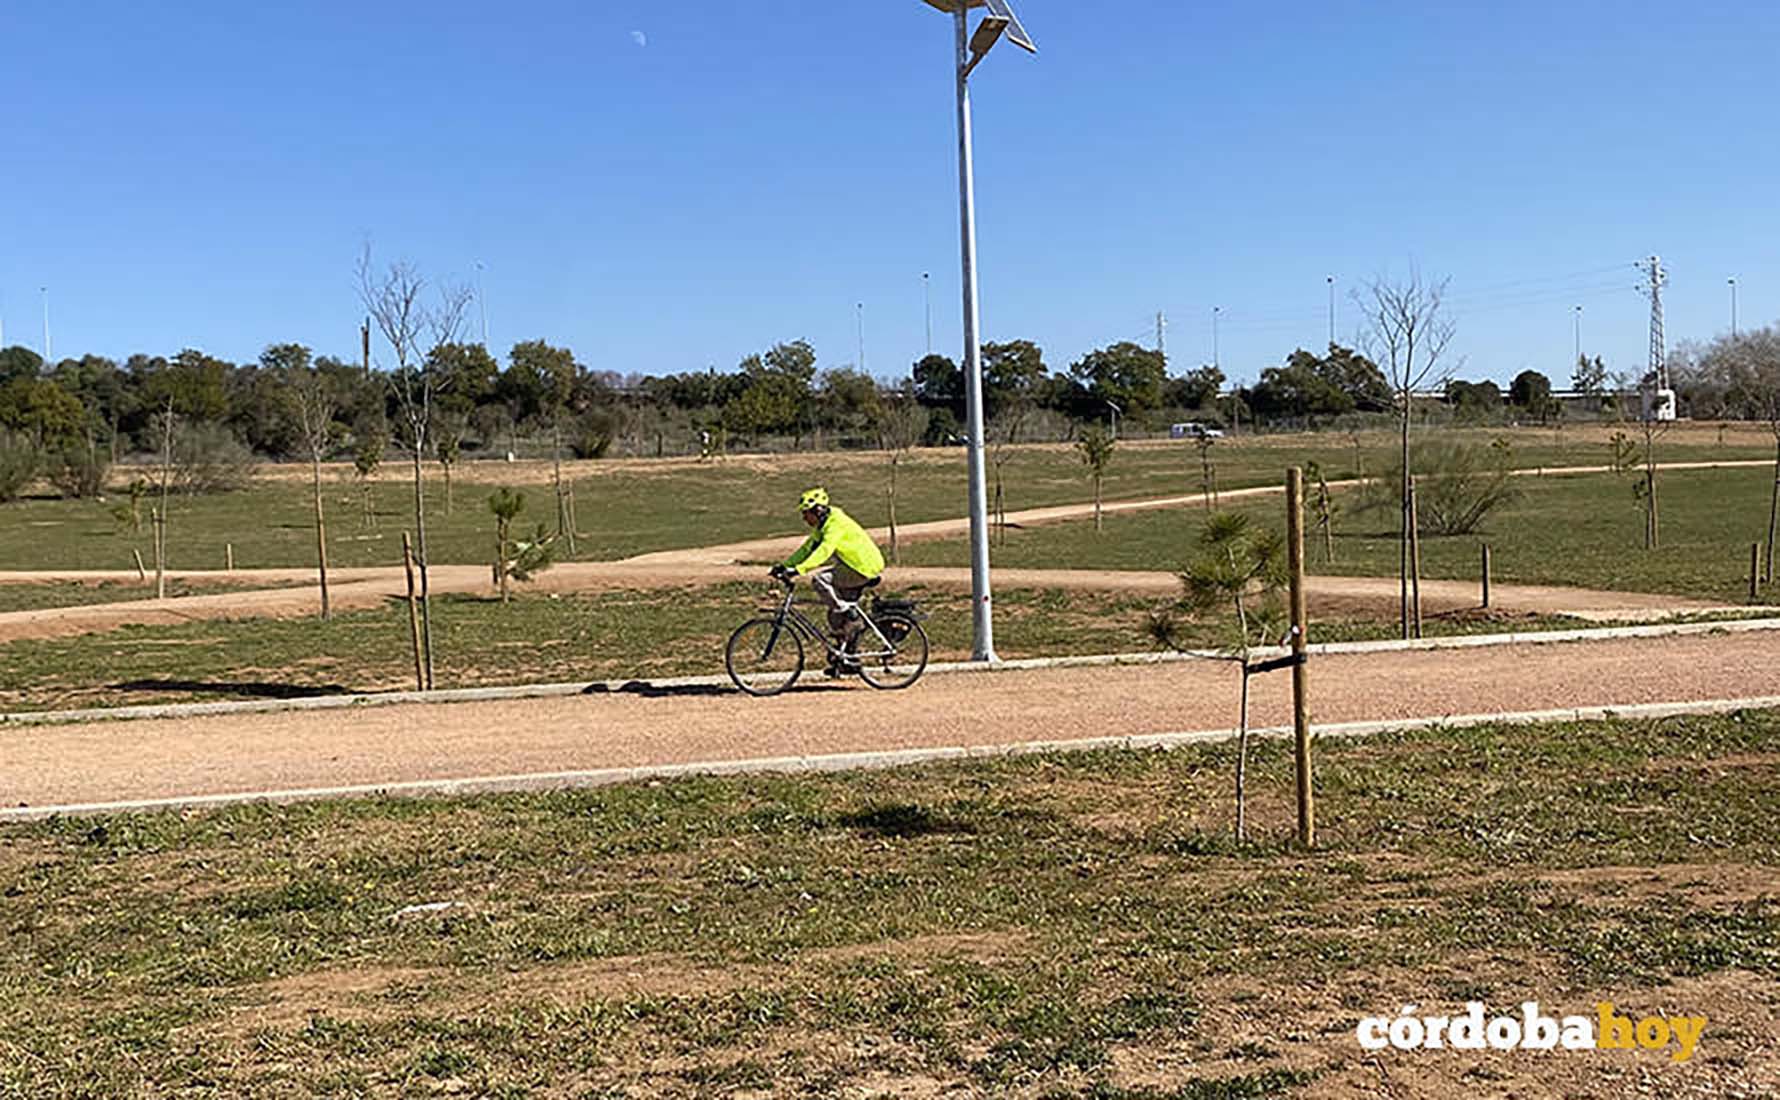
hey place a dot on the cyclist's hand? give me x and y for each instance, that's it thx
(783, 572)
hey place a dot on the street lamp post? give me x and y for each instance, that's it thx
(1733, 283)
(970, 50)
(1331, 281)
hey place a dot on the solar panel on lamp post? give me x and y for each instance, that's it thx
(998, 22)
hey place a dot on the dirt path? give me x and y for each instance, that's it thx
(1329, 596)
(109, 761)
(361, 588)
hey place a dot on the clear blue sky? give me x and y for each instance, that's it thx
(663, 187)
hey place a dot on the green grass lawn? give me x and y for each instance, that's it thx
(38, 596)
(627, 508)
(547, 638)
(1044, 927)
(1579, 530)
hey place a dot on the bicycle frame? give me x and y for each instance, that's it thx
(789, 614)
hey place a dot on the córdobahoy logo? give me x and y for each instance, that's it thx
(1531, 1029)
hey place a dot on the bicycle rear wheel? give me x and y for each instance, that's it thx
(764, 656)
(907, 659)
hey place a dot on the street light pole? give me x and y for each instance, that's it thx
(998, 22)
(927, 308)
(982, 647)
(1331, 280)
(1577, 362)
(1733, 283)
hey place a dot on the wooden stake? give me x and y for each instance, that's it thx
(1415, 563)
(1754, 571)
(1486, 576)
(229, 557)
(413, 613)
(160, 522)
(1300, 672)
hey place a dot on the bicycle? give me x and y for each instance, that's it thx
(765, 655)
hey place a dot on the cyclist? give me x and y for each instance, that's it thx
(857, 563)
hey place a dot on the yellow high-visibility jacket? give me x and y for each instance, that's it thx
(839, 536)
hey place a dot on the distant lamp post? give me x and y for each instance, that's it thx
(1114, 418)
(1733, 283)
(998, 22)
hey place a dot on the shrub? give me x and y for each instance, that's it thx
(594, 433)
(18, 464)
(208, 458)
(1457, 485)
(80, 472)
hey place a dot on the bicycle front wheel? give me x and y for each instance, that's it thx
(764, 656)
(906, 660)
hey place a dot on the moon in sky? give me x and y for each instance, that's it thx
(639, 38)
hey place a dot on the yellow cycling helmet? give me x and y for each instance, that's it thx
(812, 498)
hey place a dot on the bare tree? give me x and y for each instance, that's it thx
(1749, 368)
(1004, 431)
(312, 405)
(394, 299)
(901, 427)
(1406, 333)
(1645, 488)
(165, 427)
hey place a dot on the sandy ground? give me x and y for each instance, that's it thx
(163, 758)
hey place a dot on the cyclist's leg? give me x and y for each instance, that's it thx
(840, 588)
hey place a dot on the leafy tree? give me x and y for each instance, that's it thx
(1095, 445)
(1356, 376)
(197, 386)
(103, 390)
(1127, 374)
(939, 383)
(549, 378)
(1298, 389)
(1590, 376)
(847, 401)
(19, 362)
(1208, 471)
(1531, 391)
(776, 397)
(1473, 400)
(516, 559)
(41, 411)
(1240, 573)
(1012, 372)
(1197, 389)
